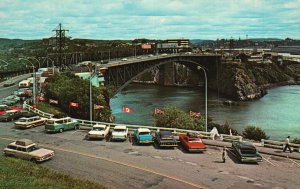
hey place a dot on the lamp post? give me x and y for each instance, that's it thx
(34, 80)
(91, 69)
(199, 67)
(36, 60)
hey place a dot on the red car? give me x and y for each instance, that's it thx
(4, 108)
(192, 143)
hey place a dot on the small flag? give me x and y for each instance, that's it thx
(195, 114)
(98, 107)
(158, 111)
(40, 98)
(127, 110)
(51, 101)
(74, 104)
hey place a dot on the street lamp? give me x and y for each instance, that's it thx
(91, 69)
(199, 67)
(34, 79)
(36, 60)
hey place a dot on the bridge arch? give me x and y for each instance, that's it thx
(122, 75)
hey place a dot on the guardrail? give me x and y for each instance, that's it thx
(230, 138)
(87, 125)
(279, 145)
(37, 111)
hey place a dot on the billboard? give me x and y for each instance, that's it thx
(146, 46)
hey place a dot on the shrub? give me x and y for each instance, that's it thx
(296, 141)
(254, 133)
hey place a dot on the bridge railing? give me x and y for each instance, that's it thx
(35, 110)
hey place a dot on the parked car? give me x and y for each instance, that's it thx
(98, 132)
(165, 139)
(10, 115)
(26, 149)
(4, 108)
(30, 122)
(119, 133)
(60, 124)
(142, 135)
(192, 142)
(7, 102)
(13, 97)
(246, 152)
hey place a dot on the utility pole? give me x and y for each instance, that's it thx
(60, 42)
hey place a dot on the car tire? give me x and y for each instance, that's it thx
(60, 130)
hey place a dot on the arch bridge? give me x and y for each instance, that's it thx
(120, 73)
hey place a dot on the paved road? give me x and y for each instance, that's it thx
(123, 165)
(5, 91)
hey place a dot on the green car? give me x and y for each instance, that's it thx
(60, 124)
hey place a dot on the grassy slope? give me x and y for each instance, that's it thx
(17, 173)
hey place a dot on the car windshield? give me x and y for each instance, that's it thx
(22, 120)
(144, 133)
(50, 122)
(248, 151)
(98, 129)
(32, 148)
(195, 140)
(119, 130)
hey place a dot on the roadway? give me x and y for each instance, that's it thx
(6, 91)
(123, 165)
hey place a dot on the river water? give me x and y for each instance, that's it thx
(278, 112)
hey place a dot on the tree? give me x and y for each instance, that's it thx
(176, 118)
(68, 88)
(254, 133)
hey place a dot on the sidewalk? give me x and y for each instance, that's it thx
(263, 150)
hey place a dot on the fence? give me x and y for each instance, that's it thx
(279, 145)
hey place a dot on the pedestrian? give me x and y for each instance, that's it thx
(287, 144)
(224, 154)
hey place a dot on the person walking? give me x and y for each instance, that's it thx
(224, 154)
(287, 144)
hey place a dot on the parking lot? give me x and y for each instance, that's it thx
(123, 165)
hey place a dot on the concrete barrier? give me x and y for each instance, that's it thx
(279, 145)
(230, 138)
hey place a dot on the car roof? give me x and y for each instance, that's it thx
(11, 111)
(246, 145)
(24, 142)
(99, 126)
(163, 133)
(120, 127)
(143, 130)
(30, 117)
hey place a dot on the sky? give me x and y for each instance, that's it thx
(152, 19)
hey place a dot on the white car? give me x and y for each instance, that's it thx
(26, 149)
(124, 59)
(98, 132)
(119, 133)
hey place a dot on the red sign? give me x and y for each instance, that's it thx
(40, 98)
(158, 111)
(195, 114)
(34, 105)
(74, 104)
(53, 101)
(146, 46)
(127, 110)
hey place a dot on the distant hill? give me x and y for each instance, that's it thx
(13, 43)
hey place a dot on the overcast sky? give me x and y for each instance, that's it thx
(155, 19)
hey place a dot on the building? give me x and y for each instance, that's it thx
(287, 49)
(173, 45)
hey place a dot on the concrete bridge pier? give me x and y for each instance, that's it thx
(167, 75)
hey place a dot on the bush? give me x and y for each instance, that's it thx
(176, 118)
(254, 133)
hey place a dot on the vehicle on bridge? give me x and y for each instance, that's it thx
(119, 133)
(142, 136)
(246, 152)
(8, 83)
(26, 149)
(24, 84)
(192, 142)
(165, 139)
(30, 122)
(60, 124)
(98, 132)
